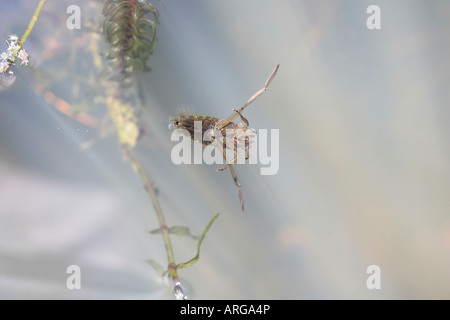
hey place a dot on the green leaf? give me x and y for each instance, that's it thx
(195, 259)
(157, 267)
(177, 230)
(182, 231)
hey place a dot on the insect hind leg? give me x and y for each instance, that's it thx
(242, 117)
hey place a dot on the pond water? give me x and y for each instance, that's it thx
(364, 156)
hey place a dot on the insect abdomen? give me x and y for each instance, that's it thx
(187, 123)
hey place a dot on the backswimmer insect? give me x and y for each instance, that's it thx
(240, 139)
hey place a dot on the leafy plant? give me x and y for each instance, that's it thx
(130, 28)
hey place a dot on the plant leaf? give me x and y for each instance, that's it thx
(177, 230)
(197, 256)
(157, 267)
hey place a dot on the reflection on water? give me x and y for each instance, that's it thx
(364, 154)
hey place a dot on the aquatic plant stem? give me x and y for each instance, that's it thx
(127, 132)
(32, 23)
(142, 173)
(15, 46)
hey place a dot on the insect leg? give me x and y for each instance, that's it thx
(229, 164)
(247, 147)
(242, 117)
(238, 185)
(234, 176)
(252, 98)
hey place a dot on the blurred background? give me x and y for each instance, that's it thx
(364, 175)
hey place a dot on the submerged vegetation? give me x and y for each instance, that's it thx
(130, 30)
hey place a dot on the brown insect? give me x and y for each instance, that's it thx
(241, 135)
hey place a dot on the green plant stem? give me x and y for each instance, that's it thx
(24, 37)
(142, 173)
(31, 24)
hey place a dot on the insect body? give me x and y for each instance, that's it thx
(224, 134)
(234, 136)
